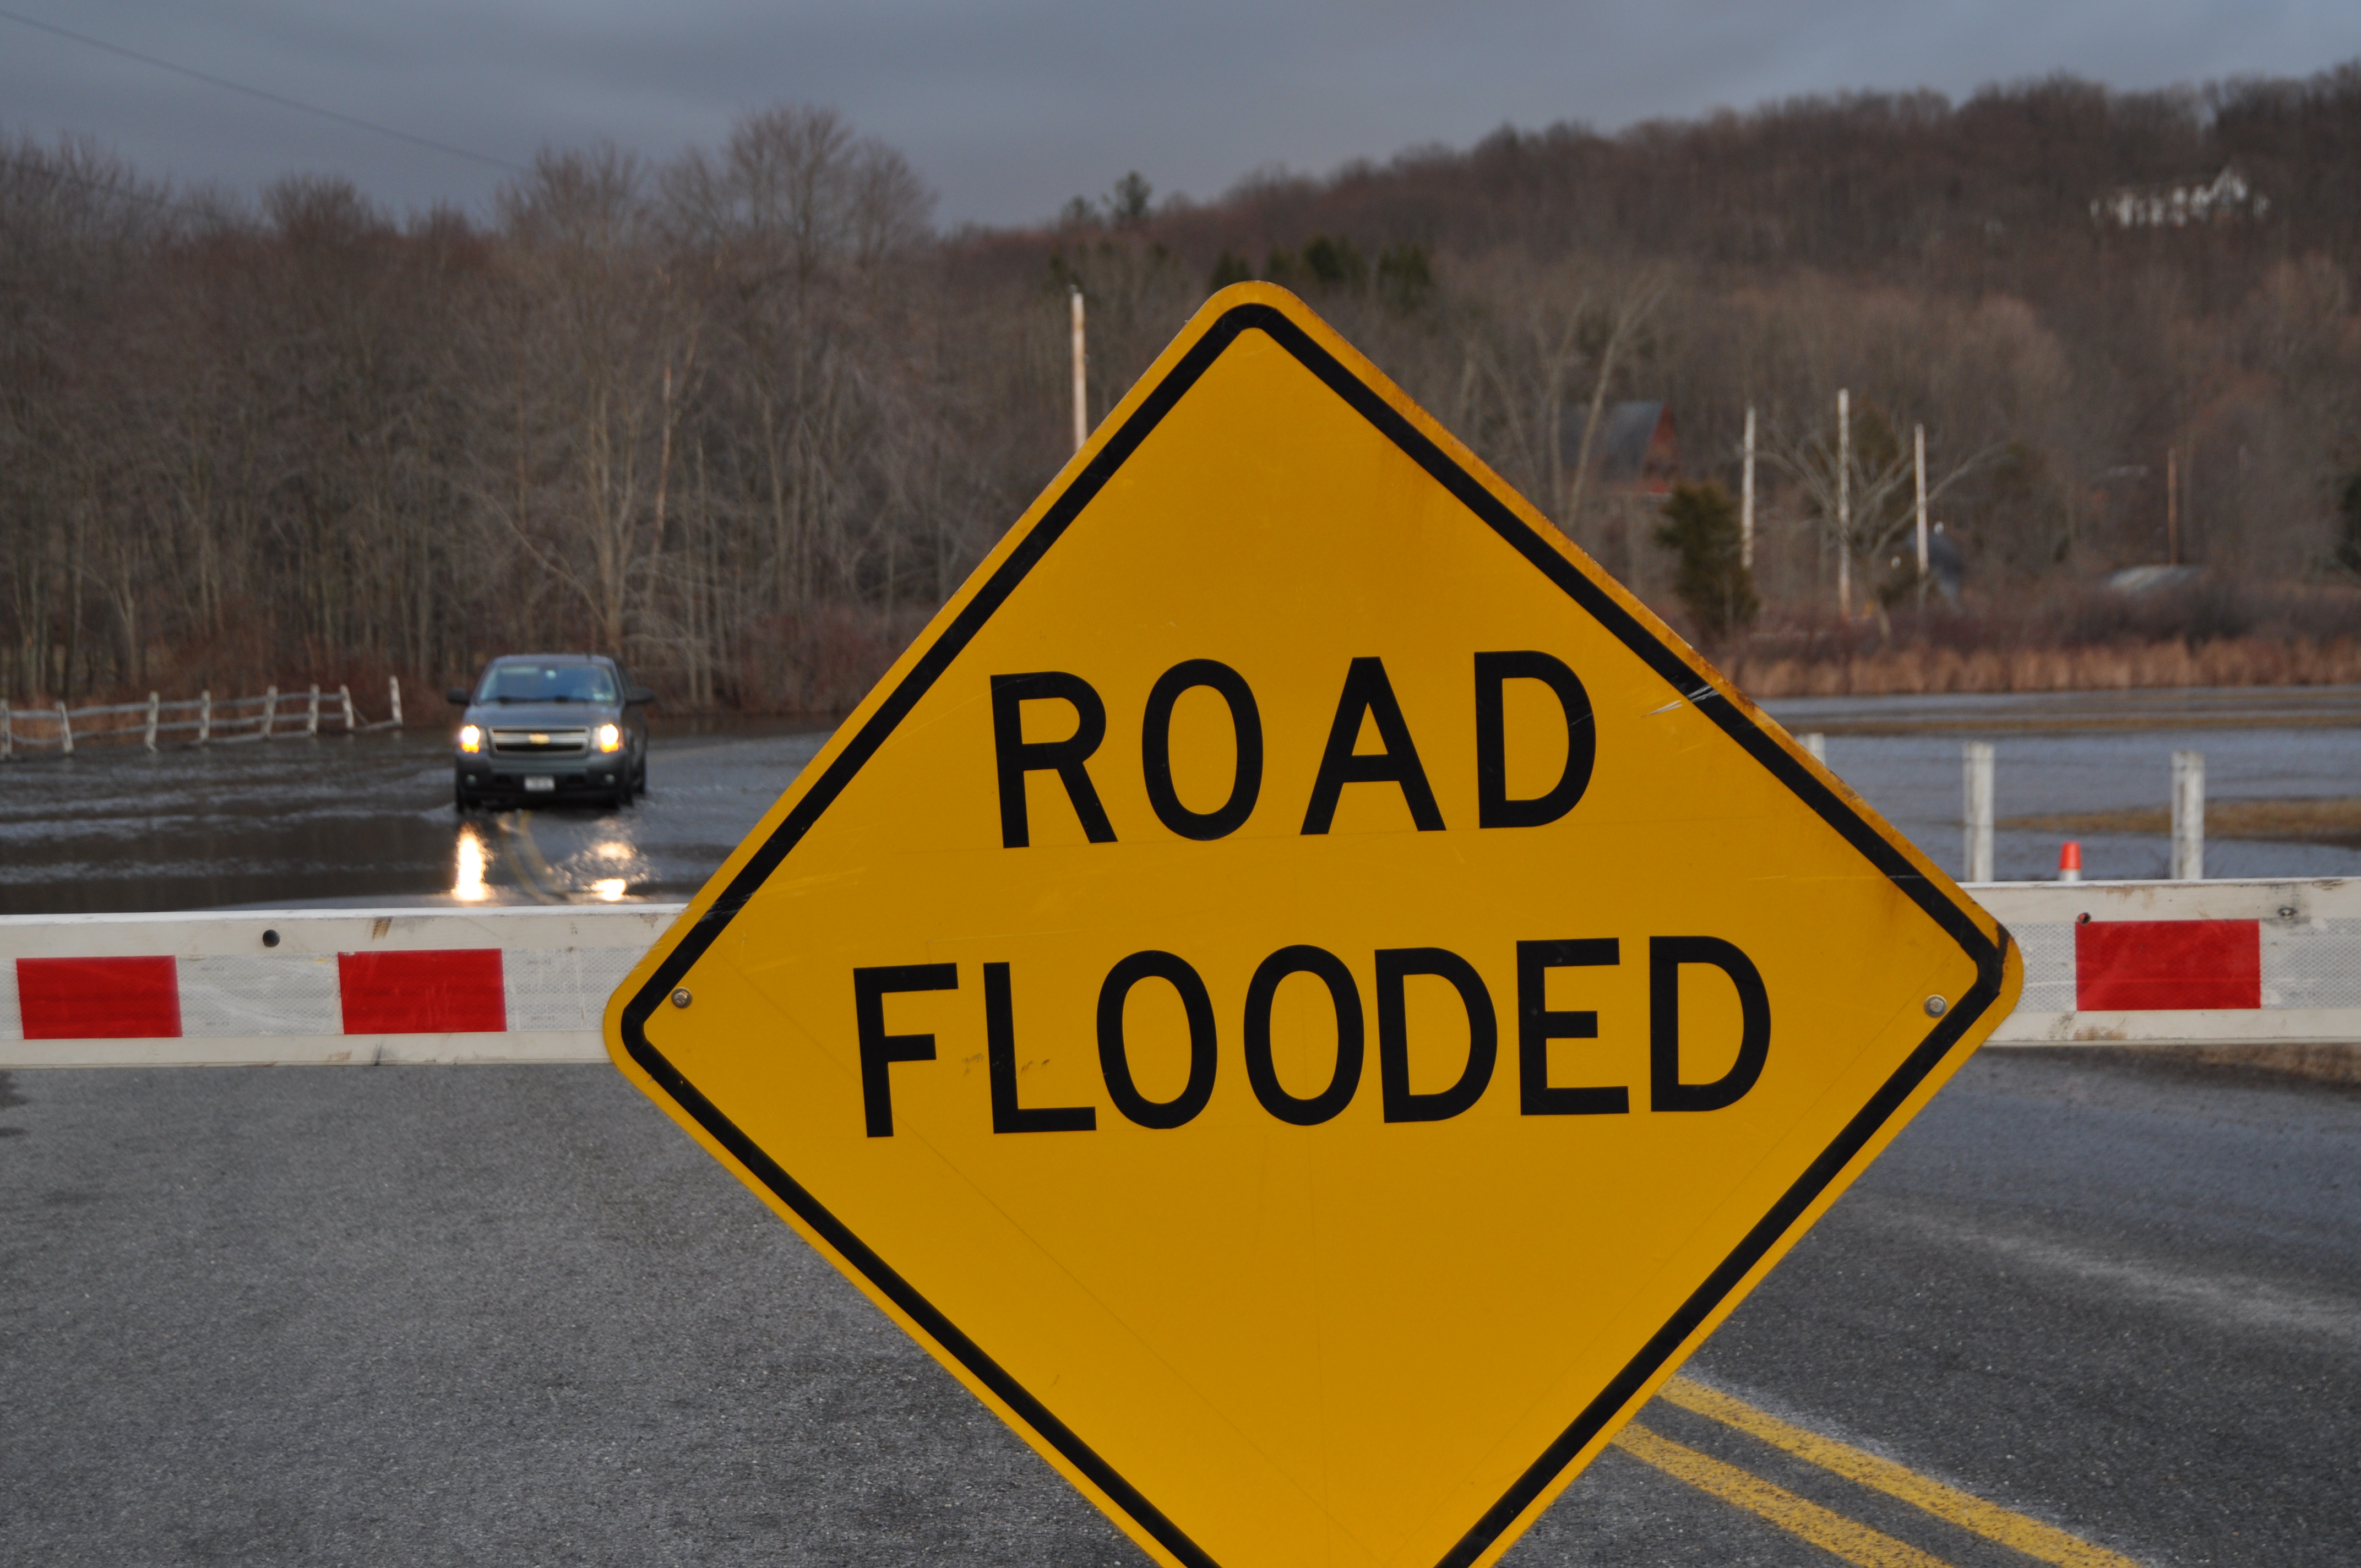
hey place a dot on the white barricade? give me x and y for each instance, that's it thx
(2261, 963)
(2105, 963)
(293, 986)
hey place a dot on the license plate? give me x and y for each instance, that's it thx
(539, 784)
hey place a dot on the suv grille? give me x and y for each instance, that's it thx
(540, 742)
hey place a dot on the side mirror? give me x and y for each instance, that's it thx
(456, 697)
(639, 695)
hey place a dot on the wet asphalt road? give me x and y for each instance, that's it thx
(513, 1315)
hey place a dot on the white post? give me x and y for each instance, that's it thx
(1746, 499)
(393, 691)
(2188, 816)
(270, 711)
(312, 718)
(1081, 379)
(65, 727)
(1815, 744)
(1921, 461)
(204, 716)
(345, 696)
(1978, 761)
(1844, 505)
(152, 705)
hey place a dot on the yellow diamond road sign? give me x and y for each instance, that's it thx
(1297, 988)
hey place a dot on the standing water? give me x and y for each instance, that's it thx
(369, 820)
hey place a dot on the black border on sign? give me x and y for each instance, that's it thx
(936, 658)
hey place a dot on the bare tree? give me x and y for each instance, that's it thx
(1861, 490)
(747, 415)
(599, 328)
(1621, 320)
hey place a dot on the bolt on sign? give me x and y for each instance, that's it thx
(1297, 988)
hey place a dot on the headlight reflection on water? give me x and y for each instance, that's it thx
(468, 886)
(614, 853)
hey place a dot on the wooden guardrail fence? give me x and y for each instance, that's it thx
(232, 719)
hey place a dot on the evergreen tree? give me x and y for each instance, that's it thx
(1129, 203)
(1700, 526)
(1405, 276)
(1333, 263)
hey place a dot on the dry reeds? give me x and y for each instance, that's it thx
(1919, 670)
(823, 662)
(2295, 820)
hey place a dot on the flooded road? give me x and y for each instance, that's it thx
(368, 821)
(2092, 751)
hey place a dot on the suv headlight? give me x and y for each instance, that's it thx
(611, 738)
(471, 737)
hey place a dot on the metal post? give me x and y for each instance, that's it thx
(311, 716)
(1082, 378)
(344, 694)
(204, 716)
(1921, 461)
(1978, 761)
(394, 690)
(1746, 499)
(152, 705)
(1844, 505)
(65, 727)
(7, 734)
(2188, 816)
(270, 709)
(1815, 744)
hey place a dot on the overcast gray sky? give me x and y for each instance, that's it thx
(1010, 107)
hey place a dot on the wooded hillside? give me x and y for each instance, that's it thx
(744, 418)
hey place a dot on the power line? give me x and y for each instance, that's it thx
(279, 99)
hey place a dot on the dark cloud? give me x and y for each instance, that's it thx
(1011, 106)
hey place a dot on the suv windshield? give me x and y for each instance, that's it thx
(525, 680)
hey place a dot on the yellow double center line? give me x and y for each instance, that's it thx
(1848, 1539)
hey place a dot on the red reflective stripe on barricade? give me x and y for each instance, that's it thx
(447, 991)
(2148, 966)
(99, 999)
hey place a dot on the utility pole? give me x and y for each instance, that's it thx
(2172, 505)
(1746, 503)
(1844, 505)
(1082, 378)
(1921, 460)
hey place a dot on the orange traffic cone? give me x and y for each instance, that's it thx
(2070, 862)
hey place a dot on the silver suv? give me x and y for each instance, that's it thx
(544, 728)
